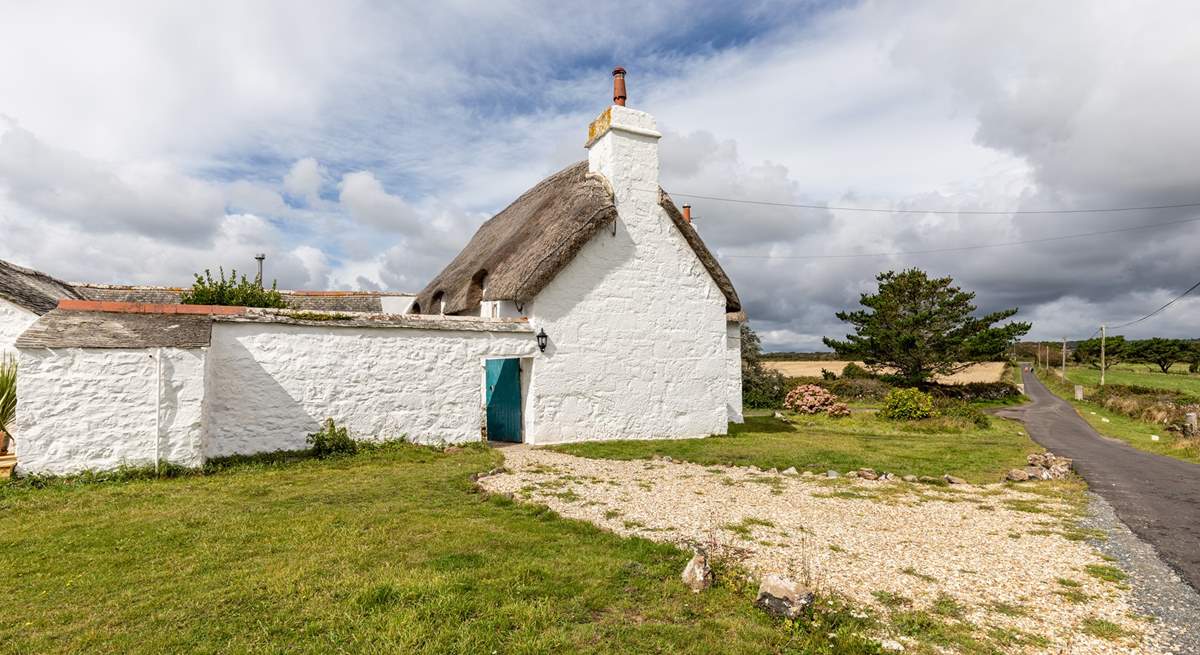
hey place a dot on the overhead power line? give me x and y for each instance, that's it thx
(1173, 301)
(980, 246)
(878, 210)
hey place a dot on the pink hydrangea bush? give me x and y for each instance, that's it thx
(838, 410)
(809, 399)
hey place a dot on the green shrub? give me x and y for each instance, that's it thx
(909, 404)
(827, 374)
(859, 389)
(208, 290)
(974, 392)
(962, 410)
(762, 388)
(331, 440)
(853, 371)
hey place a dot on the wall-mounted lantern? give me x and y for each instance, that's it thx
(542, 338)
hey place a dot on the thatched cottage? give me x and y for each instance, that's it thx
(588, 309)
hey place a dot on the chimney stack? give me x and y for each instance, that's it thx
(619, 86)
(687, 213)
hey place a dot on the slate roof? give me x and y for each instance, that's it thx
(31, 290)
(71, 329)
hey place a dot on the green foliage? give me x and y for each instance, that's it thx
(858, 389)
(1163, 353)
(762, 388)
(207, 290)
(923, 327)
(909, 404)
(331, 440)
(318, 316)
(852, 371)
(8, 393)
(954, 408)
(1116, 350)
(976, 392)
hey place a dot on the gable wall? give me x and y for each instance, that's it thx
(637, 330)
(13, 321)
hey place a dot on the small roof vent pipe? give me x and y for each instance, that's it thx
(687, 213)
(619, 86)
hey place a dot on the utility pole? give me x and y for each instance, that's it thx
(1103, 335)
(1064, 359)
(260, 257)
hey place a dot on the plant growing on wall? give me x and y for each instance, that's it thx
(331, 440)
(8, 397)
(207, 290)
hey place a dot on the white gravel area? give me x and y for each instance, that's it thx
(861, 539)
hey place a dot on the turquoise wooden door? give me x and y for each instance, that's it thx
(503, 400)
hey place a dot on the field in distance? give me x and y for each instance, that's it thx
(982, 372)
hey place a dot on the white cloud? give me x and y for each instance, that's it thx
(304, 180)
(155, 140)
(367, 202)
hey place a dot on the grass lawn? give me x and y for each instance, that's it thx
(1118, 426)
(819, 443)
(386, 551)
(1140, 375)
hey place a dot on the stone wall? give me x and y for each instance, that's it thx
(272, 384)
(98, 408)
(13, 321)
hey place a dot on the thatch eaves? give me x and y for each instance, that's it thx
(32, 290)
(517, 252)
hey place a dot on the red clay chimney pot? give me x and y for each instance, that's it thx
(687, 213)
(619, 86)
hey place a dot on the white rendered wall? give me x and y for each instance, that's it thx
(636, 325)
(96, 409)
(272, 384)
(13, 321)
(396, 304)
(733, 370)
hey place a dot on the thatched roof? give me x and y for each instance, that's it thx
(34, 291)
(523, 247)
(72, 329)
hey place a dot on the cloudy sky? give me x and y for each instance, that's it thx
(359, 144)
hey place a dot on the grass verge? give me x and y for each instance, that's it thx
(388, 550)
(1138, 434)
(862, 440)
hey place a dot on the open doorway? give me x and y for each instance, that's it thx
(502, 398)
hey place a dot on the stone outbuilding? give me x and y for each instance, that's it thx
(588, 309)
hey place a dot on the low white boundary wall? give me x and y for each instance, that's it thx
(271, 384)
(100, 408)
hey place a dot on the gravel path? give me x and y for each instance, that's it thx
(998, 552)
